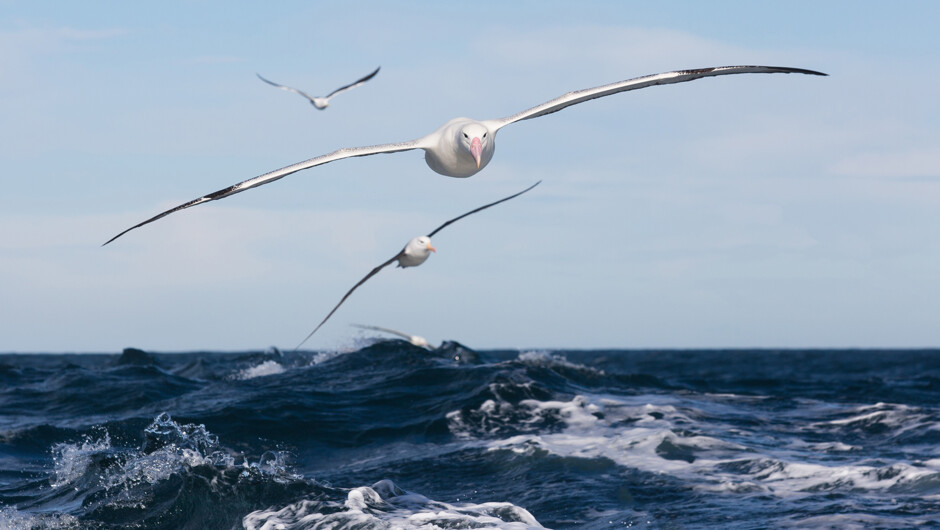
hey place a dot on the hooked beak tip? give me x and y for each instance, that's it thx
(476, 149)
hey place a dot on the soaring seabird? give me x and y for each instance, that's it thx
(415, 253)
(322, 102)
(464, 146)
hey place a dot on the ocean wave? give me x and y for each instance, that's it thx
(264, 369)
(889, 419)
(71, 460)
(663, 436)
(396, 436)
(176, 463)
(385, 505)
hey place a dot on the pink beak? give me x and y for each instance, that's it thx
(432, 249)
(476, 149)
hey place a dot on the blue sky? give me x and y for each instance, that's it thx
(741, 211)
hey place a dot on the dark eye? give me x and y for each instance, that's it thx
(465, 135)
(484, 135)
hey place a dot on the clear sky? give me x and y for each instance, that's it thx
(740, 211)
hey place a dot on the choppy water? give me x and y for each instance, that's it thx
(396, 436)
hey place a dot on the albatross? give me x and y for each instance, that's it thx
(415, 340)
(322, 102)
(464, 146)
(415, 253)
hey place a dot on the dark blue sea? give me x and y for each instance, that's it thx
(396, 436)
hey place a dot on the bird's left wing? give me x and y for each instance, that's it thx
(339, 154)
(680, 76)
(387, 330)
(372, 273)
(283, 87)
(354, 84)
(438, 229)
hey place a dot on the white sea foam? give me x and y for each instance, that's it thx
(851, 521)
(662, 434)
(13, 519)
(545, 358)
(261, 370)
(896, 418)
(323, 356)
(385, 505)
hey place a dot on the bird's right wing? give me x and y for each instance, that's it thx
(386, 330)
(372, 273)
(485, 206)
(294, 90)
(339, 154)
(354, 84)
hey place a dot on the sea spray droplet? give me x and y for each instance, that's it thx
(164, 431)
(71, 460)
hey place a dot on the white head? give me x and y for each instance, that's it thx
(475, 139)
(416, 252)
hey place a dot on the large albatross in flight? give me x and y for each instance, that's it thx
(464, 146)
(322, 102)
(415, 253)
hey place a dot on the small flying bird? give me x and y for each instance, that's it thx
(322, 102)
(415, 253)
(464, 146)
(415, 340)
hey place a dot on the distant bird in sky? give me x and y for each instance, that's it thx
(415, 253)
(322, 102)
(415, 340)
(464, 146)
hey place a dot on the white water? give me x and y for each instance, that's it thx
(689, 438)
(385, 505)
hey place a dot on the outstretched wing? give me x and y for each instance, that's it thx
(680, 76)
(354, 84)
(339, 154)
(438, 229)
(294, 90)
(387, 330)
(372, 273)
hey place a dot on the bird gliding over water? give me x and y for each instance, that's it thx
(413, 254)
(415, 340)
(464, 146)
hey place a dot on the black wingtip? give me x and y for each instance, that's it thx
(792, 70)
(138, 225)
(117, 236)
(370, 76)
(805, 71)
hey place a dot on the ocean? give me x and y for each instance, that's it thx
(389, 435)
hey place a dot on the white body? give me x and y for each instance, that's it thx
(415, 252)
(450, 155)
